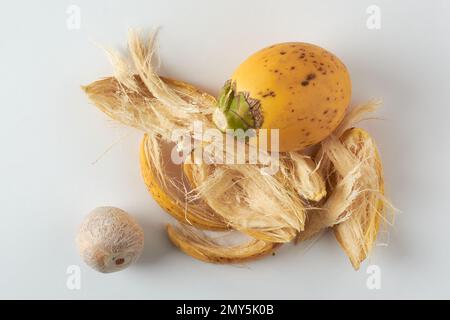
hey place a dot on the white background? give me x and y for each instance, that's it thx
(51, 136)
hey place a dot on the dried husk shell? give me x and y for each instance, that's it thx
(242, 196)
(356, 204)
(205, 248)
(305, 177)
(357, 234)
(165, 192)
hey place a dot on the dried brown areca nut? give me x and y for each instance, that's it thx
(109, 239)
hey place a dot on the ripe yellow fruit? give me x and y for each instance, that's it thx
(299, 88)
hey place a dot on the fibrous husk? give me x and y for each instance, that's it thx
(356, 204)
(256, 204)
(305, 177)
(171, 193)
(137, 107)
(358, 231)
(198, 245)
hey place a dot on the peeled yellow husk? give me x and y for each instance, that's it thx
(305, 177)
(342, 193)
(171, 196)
(242, 195)
(202, 247)
(357, 233)
(356, 205)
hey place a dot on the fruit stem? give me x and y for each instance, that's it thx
(236, 110)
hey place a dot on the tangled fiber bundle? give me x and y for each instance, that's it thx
(338, 184)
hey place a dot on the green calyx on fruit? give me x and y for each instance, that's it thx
(237, 110)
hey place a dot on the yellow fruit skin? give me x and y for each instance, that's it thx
(174, 208)
(304, 91)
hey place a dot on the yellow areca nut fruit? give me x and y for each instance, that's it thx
(299, 88)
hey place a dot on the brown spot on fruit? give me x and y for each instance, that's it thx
(310, 76)
(269, 94)
(305, 83)
(282, 53)
(120, 261)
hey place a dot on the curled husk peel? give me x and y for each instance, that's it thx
(340, 186)
(195, 243)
